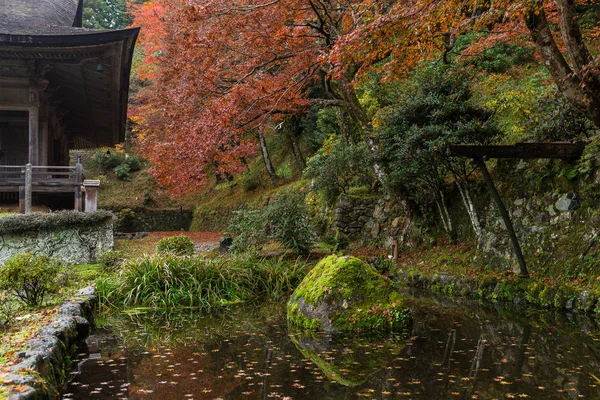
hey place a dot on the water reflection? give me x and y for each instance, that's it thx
(453, 351)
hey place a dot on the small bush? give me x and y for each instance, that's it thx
(122, 164)
(133, 162)
(289, 223)
(111, 260)
(7, 311)
(108, 160)
(179, 245)
(248, 229)
(123, 172)
(30, 277)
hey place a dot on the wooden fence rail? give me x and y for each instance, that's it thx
(47, 179)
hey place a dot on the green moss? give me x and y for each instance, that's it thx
(359, 297)
(546, 297)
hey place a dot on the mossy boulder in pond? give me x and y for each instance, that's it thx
(343, 294)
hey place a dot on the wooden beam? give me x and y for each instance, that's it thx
(514, 241)
(561, 150)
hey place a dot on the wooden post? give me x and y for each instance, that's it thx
(28, 184)
(91, 195)
(34, 122)
(395, 248)
(22, 199)
(504, 214)
(78, 183)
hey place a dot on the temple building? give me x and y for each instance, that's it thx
(62, 87)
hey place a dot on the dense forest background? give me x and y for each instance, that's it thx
(357, 97)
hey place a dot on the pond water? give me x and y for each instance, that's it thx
(453, 351)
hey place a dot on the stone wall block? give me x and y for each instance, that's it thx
(41, 371)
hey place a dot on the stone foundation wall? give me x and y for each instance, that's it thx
(42, 369)
(69, 237)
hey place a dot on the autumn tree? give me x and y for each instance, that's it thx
(564, 33)
(227, 72)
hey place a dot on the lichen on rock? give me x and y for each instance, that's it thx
(344, 294)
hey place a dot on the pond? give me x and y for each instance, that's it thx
(453, 351)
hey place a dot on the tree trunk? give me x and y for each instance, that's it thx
(579, 83)
(468, 203)
(292, 131)
(345, 126)
(265, 155)
(358, 114)
(448, 219)
(440, 202)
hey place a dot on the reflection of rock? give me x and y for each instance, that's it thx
(346, 294)
(343, 359)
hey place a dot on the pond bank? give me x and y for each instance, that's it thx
(41, 371)
(510, 288)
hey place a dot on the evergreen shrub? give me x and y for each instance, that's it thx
(30, 277)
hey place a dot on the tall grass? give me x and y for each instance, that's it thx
(168, 280)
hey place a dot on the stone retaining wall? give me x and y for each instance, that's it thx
(152, 220)
(514, 290)
(43, 367)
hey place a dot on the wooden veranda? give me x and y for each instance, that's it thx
(28, 179)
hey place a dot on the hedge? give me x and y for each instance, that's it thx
(19, 223)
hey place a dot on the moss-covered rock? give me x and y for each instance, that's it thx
(343, 294)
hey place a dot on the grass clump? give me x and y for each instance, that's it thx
(30, 277)
(166, 280)
(179, 245)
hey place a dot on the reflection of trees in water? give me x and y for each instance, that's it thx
(495, 352)
(454, 351)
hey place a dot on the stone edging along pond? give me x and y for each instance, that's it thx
(46, 360)
(515, 290)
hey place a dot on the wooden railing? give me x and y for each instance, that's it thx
(32, 178)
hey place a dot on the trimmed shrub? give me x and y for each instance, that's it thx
(133, 162)
(30, 277)
(179, 245)
(108, 160)
(36, 222)
(111, 260)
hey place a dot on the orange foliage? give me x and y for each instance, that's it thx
(221, 69)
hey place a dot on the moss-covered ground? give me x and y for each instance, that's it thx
(26, 321)
(450, 269)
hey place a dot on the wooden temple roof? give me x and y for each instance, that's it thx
(87, 70)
